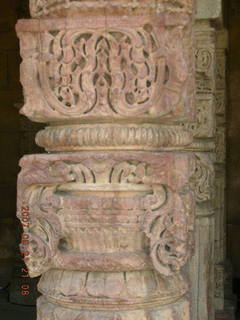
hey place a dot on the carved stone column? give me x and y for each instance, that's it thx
(207, 280)
(108, 215)
(202, 264)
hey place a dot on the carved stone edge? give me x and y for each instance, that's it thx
(113, 136)
(64, 8)
(48, 307)
(35, 25)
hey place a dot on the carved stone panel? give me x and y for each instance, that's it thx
(120, 68)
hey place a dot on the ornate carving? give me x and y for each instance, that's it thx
(41, 8)
(167, 226)
(205, 124)
(203, 179)
(110, 230)
(205, 58)
(119, 73)
(134, 137)
(44, 231)
(168, 222)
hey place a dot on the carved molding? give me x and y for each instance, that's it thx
(113, 136)
(179, 309)
(59, 8)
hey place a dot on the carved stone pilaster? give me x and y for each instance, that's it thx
(204, 131)
(209, 141)
(109, 214)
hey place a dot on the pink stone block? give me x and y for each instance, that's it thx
(107, 68)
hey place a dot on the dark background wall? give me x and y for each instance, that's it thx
(233, 137)
(10, 93)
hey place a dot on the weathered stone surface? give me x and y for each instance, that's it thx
(208, 10)
(106, 68)
(202, 270)
(139, 210)
(80, 187)
(179, 310)
(113, 136)
(63, 8)
(209, 136)
(108, 217)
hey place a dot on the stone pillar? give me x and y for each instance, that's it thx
(207, 279)
(202, 264)
(108, 213)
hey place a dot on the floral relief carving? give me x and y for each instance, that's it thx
(203, 179)
(44, 231)
(205, 59)
(121, 72)
(94, 69)
(44, 228)
(167, 225)
(167, 222)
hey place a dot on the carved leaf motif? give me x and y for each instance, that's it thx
(43, 230)
(120, 72)
(129, 172)
(203, 179)
(166, 225)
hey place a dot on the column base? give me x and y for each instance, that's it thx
(176, 311)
